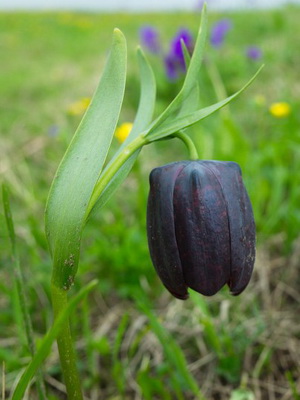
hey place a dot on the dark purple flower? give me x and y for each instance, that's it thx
(200, 227)
(254, 53)
(219, 31)
(149, 38)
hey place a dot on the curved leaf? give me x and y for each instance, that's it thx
(47, 342)
(196, 116)
(81, 166)
(191, 75)
(142, 120)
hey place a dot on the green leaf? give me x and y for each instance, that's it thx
(293, 385)
(242, 394)
(197, 57)
(172, 351)
(147, 98)
(118, 367)
(186, 54)
(192, 102)
(9, 219)
(191, 76)
(142, 120)
(81, 166)
(21, 304)
(183, 122)
(46, 343)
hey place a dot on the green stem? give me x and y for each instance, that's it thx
(108, 174)
(65, 346)
(189, 144)
(59, 295)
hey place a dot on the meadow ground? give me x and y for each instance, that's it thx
(133, 340)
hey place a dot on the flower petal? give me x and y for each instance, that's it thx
(241, 223)
(202, 230)
(161, 231)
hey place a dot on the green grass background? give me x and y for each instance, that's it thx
(133, 339)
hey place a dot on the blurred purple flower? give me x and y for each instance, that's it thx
(254, 53)
(219, 31)
(149, 38)
(174, 60)
(176, 49)
(53, 130)
(171, 67)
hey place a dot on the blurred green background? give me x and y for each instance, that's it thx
(134, 340)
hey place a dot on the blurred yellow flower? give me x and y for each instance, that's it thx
(123, 131)
(280, 110)
(79, 107)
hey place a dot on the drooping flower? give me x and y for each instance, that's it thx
(280, 109)
(123, 131)
(200, 227)
(219, 31)
(149, 38)
(254, 53)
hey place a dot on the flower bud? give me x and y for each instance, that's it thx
(200, 226)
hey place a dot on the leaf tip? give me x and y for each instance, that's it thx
(119, 38)
(140, 54)
(118, 34)
(93, 283)
(257, 73)
(204, 7)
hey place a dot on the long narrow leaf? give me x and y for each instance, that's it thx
(47, 342)
(197, 57)
(9, 220)
(146, 106)
(172, 351)
(192, 102)
(82, 164)
(118, 367)
(189, 94)
(142, 120)
(192, 118)
(20, 288)
(186, 54)
(191, 76)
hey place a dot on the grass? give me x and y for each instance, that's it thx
(133, 339)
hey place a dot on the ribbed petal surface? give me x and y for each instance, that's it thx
(241, 223)
(161, 231)
(202, 228)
